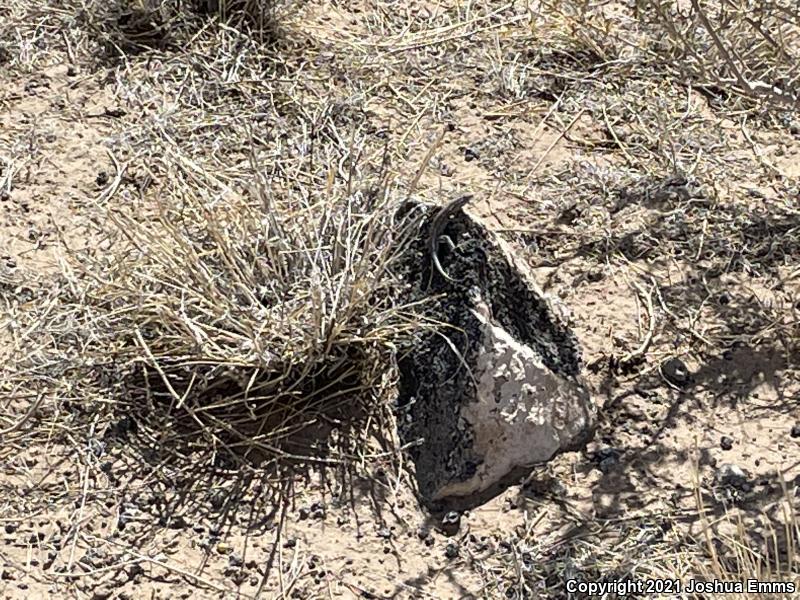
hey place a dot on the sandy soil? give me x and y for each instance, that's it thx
(705, 270)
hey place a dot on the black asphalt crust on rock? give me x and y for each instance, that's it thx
(434, 380)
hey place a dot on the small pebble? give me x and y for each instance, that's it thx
(235, 560)
(594, 276)
(238, 577)
(676, 372)
(607, 464)
(224, 548)
(451, 522)
(451, 550)
(218, 499)
(608, 459)
(733, 475)
(726, 443)
(795, 432)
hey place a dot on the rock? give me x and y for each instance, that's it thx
(451, 522)
(224, 548)
(795, 432)
(234, 560)
(726, 443)
(607, 453)
(451, 550)
(236, 575)
(498, 391)
(607, 464)
(676, 372)
(178, 522)
(135, 571)
(594, 276)
(732, 475)
(733, 484)
(470, 154)
(218, 499)
(318, 510)
(102, 593)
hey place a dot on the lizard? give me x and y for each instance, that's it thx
(438, 224)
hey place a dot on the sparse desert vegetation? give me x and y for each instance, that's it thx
(201, 300)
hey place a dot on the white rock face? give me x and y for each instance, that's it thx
(522, 413)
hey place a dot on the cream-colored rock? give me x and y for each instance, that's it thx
(522, 413)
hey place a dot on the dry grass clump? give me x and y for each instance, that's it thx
(248, 11)
(738, 549)
(740, 48)
(709, 543)
(244, 298)
(738, 51)
(249, 317)
(128, 27)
